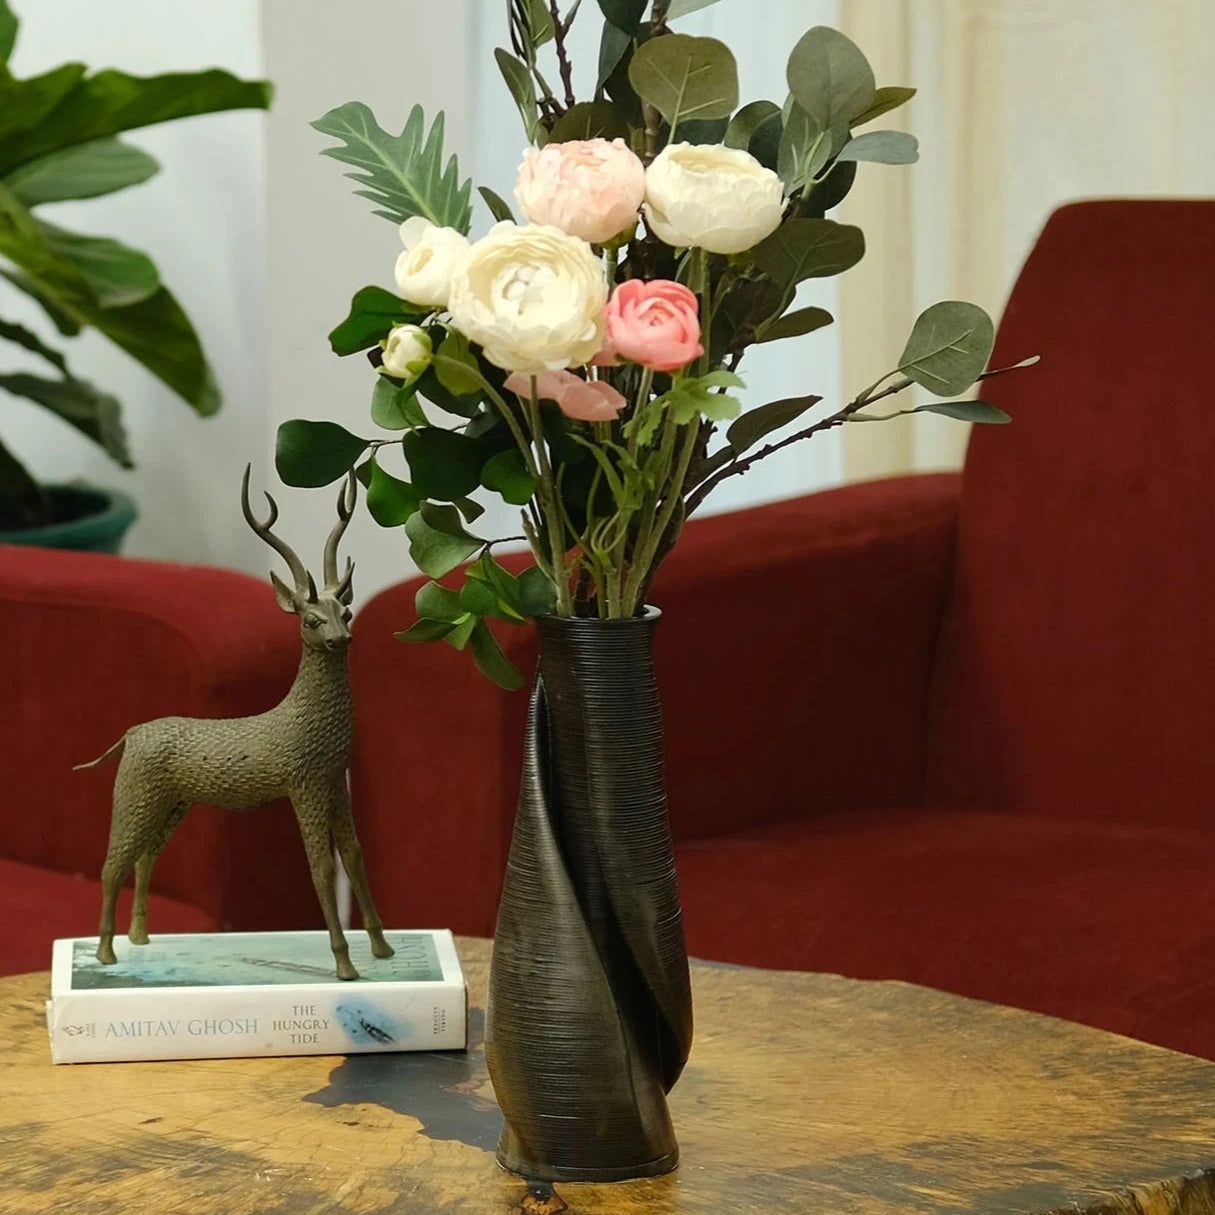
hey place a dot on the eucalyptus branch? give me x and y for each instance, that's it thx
(560, 29)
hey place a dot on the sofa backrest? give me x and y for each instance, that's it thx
(1076, 670)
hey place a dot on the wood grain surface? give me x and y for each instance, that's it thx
(805, 1093)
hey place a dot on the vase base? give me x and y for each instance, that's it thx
(533, 1170)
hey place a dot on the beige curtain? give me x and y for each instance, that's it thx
(1023, 105)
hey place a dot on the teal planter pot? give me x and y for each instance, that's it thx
(85, 519)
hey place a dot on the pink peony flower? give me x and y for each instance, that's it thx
(590, 188)
(588, 401)
(655, 324)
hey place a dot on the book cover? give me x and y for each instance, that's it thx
(224, 995)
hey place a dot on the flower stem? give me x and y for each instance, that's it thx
(546, 491)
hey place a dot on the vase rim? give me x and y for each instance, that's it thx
(650, 615)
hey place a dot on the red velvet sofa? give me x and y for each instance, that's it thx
(94, 644)
(953, 730)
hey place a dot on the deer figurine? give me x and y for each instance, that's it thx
(298, 750)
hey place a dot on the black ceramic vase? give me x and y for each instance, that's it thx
(589, 1020)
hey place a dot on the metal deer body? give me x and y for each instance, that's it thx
(298, 750)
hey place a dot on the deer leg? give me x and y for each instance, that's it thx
(314, 827)
(138, 933)
(118, 862)
(347, 841)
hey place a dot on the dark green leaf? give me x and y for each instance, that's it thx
(33, 343)
(425, 630)
(92, 412)
(116, 274)
(390, 501)
(747, 121)
(24, 104)
(478, 598)
(470, 510)
(112, 101)
(884, 100)
(590, 120)
(794, 324)
(747, 304)
(8, 31)
(809, 248)
(436, 602)
(404, 174)
(765, 142)
(882, 147)
(310, 454)
(948, 347)
(701, 131)
(457, 366)
(613, 44)
(437, 552)
(429, 386)
(747, 430)
(506, 474)
(967, 411)
(395, 407)
(87, 171)
(491, 661)
(624, 15)
(373, 312)
(66, 324)
(15, 479)
(498, 207)
(829, 192)
(830, 77)
(461, 631)
(522, 88)
(444, 464)
(685, 77)
(537, 594)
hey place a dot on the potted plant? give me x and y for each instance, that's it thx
(583, 364)
(59, 140)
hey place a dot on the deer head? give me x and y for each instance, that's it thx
(325, 614)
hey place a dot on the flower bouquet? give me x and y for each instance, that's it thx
(581, 359)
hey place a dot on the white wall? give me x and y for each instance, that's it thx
(203, 220)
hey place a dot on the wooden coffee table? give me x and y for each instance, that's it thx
(809, 1094)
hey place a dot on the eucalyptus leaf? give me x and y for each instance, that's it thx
(967, 411)
(403, 174)
(522, 88)
(390, 501)
(701, 131)
(624, 15)
(506, 474)
(765, 142)
(753, 425)
(86, 171)
(614, 44)
(590, 120)
(686, 78)
(795, 324)
(809, 248)
(491, 661)
(437, 552)
(882, 147)
(830, 191)
(830, 78)
(498, 207)
(885, 99)
(949, 346)
(747, 121)
(311, 454)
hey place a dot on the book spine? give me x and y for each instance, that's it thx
(106, 1026)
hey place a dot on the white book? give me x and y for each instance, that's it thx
(233, 994)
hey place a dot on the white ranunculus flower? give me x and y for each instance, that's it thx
(711, 197)
(407, 352)
(431, 256)
(532, 297)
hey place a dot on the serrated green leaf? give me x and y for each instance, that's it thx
(436, 602)
(808, 248)
(885, 99)
(373, 312)
(830, 77)
(949, 346)
(92, 412)
(402, 174)
(491, 661)
(753, 425)
(967, 411)
(522, 88)
(425, 630)
(87, 171)
(390, 501)
(437, 552)
(506, 474)
(882, 147)
(116, 274)
(795, 324)
(590, 120)
(685, 78)
(498, 207)
(310, 454)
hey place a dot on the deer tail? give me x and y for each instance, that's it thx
(102, 758)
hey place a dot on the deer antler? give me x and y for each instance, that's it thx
(345, 508)
(304, 585)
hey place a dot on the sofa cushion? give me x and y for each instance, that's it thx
(1110, 925)
(38, 905)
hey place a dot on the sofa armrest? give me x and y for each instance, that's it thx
(793, 661)
(101, 643)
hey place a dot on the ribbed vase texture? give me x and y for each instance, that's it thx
(589, 1020)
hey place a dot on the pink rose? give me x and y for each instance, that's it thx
(588, 187)
(588, 401)
(655, 324)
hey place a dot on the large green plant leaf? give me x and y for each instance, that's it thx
(33, 343)
(116, 273)
(66, 324)
(87, 171)
(92, 412)
(112, 101)
(15, 479)
(153, 330)
(26, 103)
(949, 346)
(403, 174)
(686, 78)
(830, 77)
(8, 31)
(809, 248)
